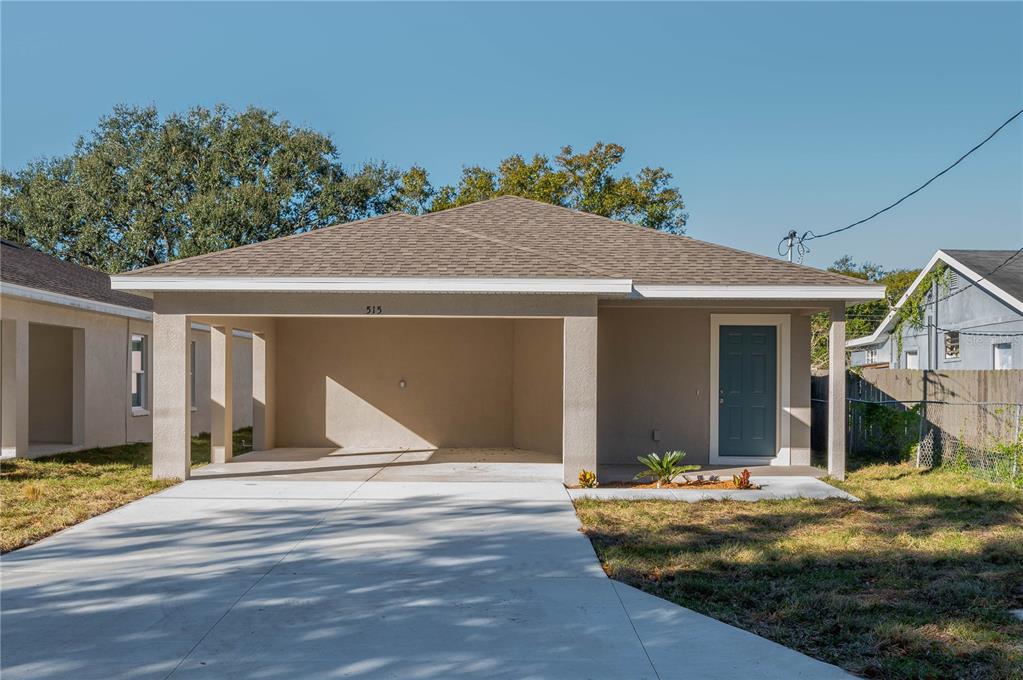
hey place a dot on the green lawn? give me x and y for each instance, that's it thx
(914, 582)
(45, 495)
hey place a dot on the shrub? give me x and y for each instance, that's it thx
(742, 481)
(664, 469)
(588, 479)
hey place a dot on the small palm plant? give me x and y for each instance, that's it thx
(664, 469)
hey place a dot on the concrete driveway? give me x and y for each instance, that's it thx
(268, 578)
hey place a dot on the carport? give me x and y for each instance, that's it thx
(429, 397)
(345, 383)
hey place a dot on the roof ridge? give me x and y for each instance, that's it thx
(651, 230)
(162, 265)
(524, 249)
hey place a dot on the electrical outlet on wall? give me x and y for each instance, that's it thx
(656, 435)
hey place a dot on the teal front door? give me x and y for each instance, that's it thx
(747, 398)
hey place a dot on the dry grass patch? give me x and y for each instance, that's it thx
(915, 582)
(45, 495)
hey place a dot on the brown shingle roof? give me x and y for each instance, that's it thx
(506, 237)
(25, 266)
(624, 250)
(395, 244)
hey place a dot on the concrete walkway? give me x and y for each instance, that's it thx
(257, 578)
(771, 488)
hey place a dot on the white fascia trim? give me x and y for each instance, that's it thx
(981, 282)
(867, 341)
(372, 285)
(39, 295)
(847, 293)
(976, 279)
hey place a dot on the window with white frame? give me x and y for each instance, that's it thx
(952, 344)
(1001, 356)
(912, 359)
(872, 355)
(191, 375)
(139, 385)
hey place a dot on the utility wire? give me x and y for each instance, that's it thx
(810, 235)
(971, 284)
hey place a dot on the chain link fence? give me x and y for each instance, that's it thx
(984, 438)
(981, 437)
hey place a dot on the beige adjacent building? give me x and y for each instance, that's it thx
(76, 360)
(505, 323)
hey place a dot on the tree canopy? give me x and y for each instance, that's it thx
(863, 318)
(585, 181)
(141, 189)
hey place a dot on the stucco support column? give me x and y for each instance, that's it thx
(264, 351)
(14, 377)
(78, 394)
(221, 393)
(579, 403)
(172, 441)
(836, 393)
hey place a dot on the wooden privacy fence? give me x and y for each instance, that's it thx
(890, 410)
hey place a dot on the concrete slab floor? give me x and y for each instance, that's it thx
(440, 465)
(270, 578)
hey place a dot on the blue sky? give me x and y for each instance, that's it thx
(771, 116)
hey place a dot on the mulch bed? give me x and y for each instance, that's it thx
(698, 485)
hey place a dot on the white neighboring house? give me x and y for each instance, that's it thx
(77, 360)
(977, 324)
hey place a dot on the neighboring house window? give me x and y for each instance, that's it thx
(1002, 355)
(912, 359)
(191, 375)
(138, 371)
(872, 356)
(952, 345)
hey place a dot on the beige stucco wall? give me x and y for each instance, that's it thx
(105, 368)
(242, 376)
(106, 407)
(50, 396)
(338, 383)
(537, 377)
(654, 373)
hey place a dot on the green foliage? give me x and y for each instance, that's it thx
(588, 479)
(141, 189)
(912, 311)
(863, 318)
(664, 469)
(890, 432)
(584, 181)
(1008, 463)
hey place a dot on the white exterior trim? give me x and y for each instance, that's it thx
(379, 284)
(783, 322)
(975, 280)
(979, 280)
(39, 295)
(848, 293)
(477, 285)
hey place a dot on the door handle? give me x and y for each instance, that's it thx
(721, 400)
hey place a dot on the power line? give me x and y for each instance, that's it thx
(810, 235)
(992, 334)
(971, 284)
